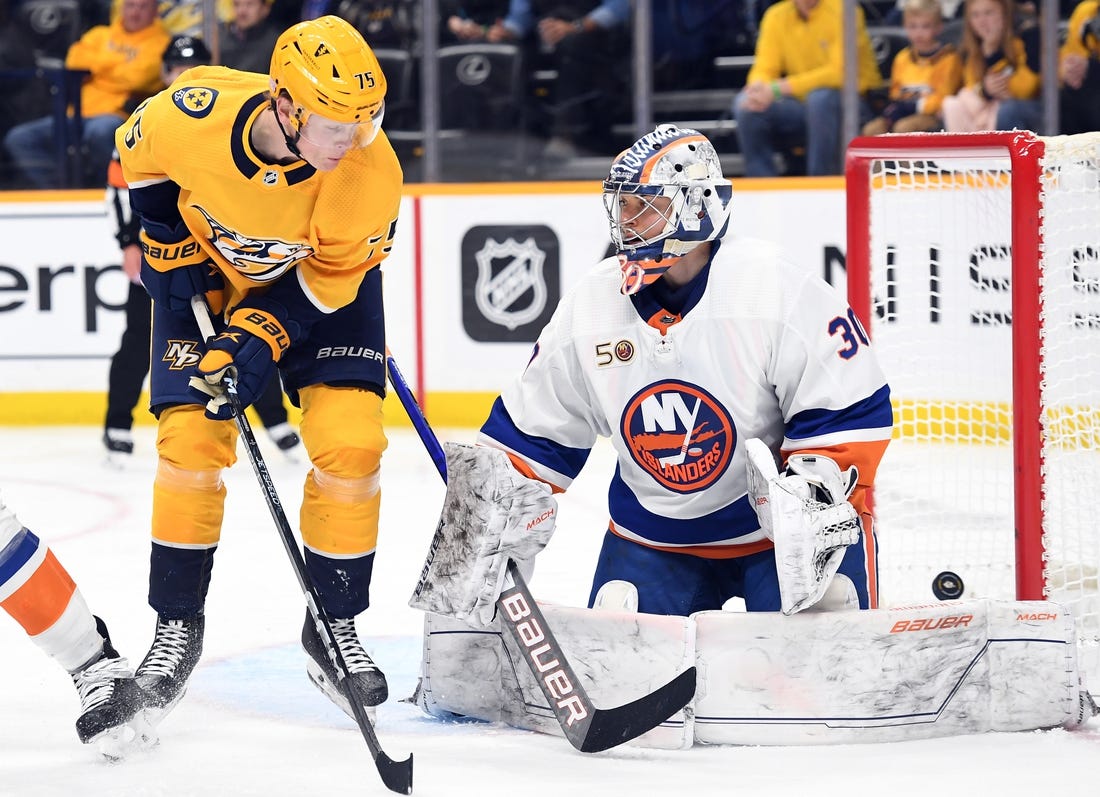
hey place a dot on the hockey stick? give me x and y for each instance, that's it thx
(397, 775)
(588, 728)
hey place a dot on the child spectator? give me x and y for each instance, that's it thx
(1079, 69)
(1001, 80)
(922, 75)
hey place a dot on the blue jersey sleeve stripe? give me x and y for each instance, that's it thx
(17, 553)
(873, 412)
(565, 460)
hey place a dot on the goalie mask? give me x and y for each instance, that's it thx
(334, 82)
(680, 165)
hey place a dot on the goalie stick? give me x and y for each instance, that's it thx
(396, 775)
(588, 728)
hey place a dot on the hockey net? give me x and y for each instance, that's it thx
(974, 260)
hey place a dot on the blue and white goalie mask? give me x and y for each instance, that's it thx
(664, 196)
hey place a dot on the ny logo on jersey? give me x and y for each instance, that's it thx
(679, 434)
(181, 354)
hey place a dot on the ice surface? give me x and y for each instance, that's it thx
(251, 723)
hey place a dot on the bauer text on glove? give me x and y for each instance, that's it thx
(246, 353)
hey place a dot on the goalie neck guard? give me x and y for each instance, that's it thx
(681, 165)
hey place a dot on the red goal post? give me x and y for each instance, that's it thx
(974, 262)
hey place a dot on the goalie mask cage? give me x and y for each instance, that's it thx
(974, 261)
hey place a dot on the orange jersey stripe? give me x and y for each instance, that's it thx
(39, 603)
(703, 551)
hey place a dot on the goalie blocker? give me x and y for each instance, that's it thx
(765, 678)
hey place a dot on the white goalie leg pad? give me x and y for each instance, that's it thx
(885, 675)
(807, 516)
(618, 657)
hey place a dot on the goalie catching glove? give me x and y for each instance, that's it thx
(491, 513)
(245, 352)
(807, 514)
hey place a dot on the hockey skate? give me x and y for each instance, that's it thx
(163, 673)
(367, 683)
(285, 439)
(120, 447)
(110, 702)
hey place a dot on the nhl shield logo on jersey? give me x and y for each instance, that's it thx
(679, 434)
(195, 101)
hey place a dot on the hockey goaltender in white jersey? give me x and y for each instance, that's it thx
(749, 415)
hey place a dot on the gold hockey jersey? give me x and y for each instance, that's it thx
(257, 221)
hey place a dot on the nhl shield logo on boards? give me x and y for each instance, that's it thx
(679, 434)
(510, 282)
(507, 273)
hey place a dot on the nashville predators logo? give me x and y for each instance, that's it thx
(679, 434)
(259, 259)
(195, 101)
(181, 354)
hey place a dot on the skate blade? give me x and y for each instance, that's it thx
(152, 716)
(116, 744)
(329, 690)
(118, 461)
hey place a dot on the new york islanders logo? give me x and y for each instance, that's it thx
(680, 434)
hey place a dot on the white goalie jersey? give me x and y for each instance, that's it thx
(767, 351)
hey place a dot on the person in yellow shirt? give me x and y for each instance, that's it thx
(1001, 82)
(123, 58)
(1079, 69)
(276, 197)
(793, 90)
(922, 75)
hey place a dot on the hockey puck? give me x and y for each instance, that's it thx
(947, 586)
(695, 452)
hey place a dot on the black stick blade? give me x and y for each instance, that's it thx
(611, 727)
(397, 775)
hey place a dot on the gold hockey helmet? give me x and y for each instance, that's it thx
(328, 69)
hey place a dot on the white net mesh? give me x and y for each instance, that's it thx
(941, 287)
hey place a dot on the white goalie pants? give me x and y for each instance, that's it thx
(812, 678)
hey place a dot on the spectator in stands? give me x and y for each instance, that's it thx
(922, 75)
(123, 58)
(1079, 69)
(383, 23)
(793, 90)
(1001, 82)
(587, 42)
(248, 41)
(184, 17)
(469, 20)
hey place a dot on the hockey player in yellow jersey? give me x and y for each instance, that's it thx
(276, 199)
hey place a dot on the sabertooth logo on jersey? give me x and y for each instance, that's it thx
(195, 101)
(261, 260)
(679, 434)
(181, 354)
